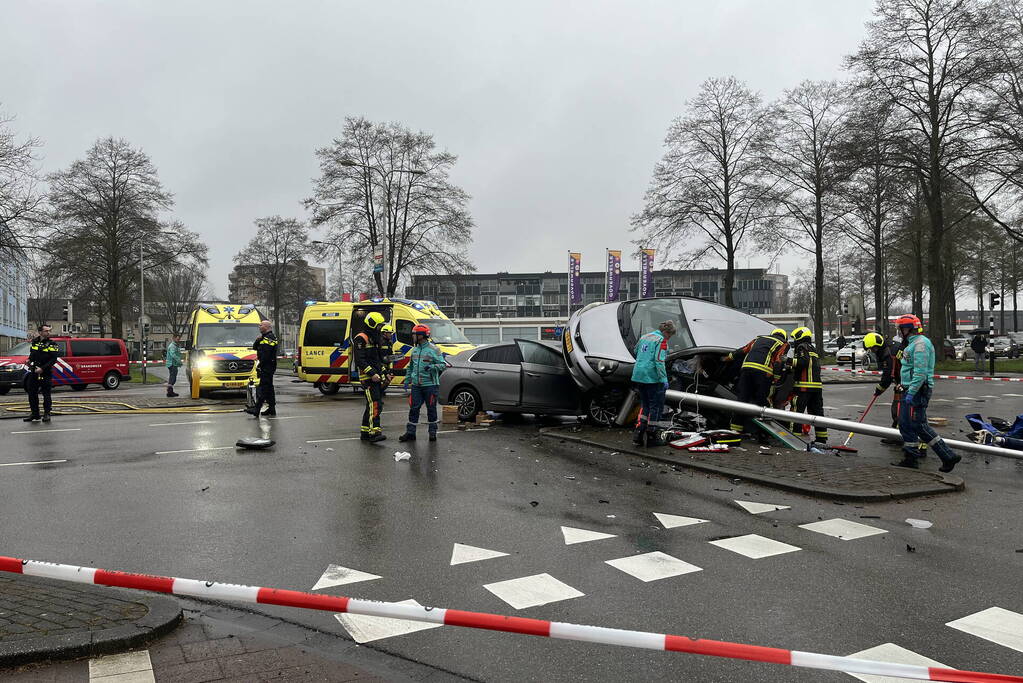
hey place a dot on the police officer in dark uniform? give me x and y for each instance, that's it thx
(266, 352)
(41, 358)
(371, 364)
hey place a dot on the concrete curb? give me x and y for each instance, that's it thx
(163, 616)
(948, 483)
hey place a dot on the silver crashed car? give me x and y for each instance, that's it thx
(599, 340)
(520, 376)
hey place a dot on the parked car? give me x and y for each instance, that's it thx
(1004, 347)
(961, 348)
(599, 339)
(520, 376)
(863, 356)
(83, 361)
(831, 347)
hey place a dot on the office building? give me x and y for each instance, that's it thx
(13, 304)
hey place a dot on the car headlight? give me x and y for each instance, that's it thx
(204, 364)
(15, 366)
(603, 366)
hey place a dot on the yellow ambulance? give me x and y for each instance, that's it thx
(218, 345)
(325, 337)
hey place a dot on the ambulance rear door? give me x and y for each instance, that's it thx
(325, 347)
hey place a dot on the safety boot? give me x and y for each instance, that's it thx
(407, 437)
(376, 438)
(31, 418)
(46, 417)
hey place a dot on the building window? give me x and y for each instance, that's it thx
(482, 335)
(516, 332)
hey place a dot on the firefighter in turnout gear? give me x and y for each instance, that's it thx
(809, 390)
(761, 362)
(889, 362)
(265, 347)
(371, 364)
(41, 358)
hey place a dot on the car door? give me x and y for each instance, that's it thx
(546, 383)
(494, 371)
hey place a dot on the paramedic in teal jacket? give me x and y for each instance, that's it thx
(650, 377)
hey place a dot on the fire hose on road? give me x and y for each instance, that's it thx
(212, 590)
(829, 422)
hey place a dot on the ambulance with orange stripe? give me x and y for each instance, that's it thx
(325, 338)
(218, 346)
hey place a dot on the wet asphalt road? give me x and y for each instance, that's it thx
(142, 493)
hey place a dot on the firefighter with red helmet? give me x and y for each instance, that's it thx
(422, 376)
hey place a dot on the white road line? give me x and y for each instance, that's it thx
(46, 431)
(346, 438)
(853, 405)
(197, 450)
(130, 667)
(289, 417)
(893, 654)
(173, 424)
(965, 398)
(30, 462)
(943, 400)
(1014, 395)
(995, 624)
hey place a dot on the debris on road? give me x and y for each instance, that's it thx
(919, 523)
(401, 455)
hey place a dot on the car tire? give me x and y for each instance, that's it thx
(4, 390)
(602, 405)
(468, 402)
(111, 380)
(78, 387)
(328, 388)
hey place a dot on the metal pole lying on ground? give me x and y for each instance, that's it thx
(830, 422)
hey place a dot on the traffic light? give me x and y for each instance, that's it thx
(856, 326)
(65, 313)
(993, 300)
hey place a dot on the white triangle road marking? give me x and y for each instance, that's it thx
(673, 521)
(336, 575)
(460, 554)
(892, 654)
(573, 535)
(364, 629)
(756, 508)
(996, 624)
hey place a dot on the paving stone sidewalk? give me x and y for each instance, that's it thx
(846, 477)
(46, 619)
(221, 643)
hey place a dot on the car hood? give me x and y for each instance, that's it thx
(454, 349)
(228, 353)
(12, 360)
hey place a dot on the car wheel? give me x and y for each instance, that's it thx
(468, 402)
(4, 390)
(328, 388)
(78, 387)
(603, 405)
(111, 380)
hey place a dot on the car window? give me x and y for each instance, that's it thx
(21, 349)
(330, 332)
(89, 347)
(645, 315)
(113, 348)
(227, 334)
(539, 354)
(507, 354)
(403, 330)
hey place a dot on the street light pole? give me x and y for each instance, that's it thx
(340, 266)
(142, 310)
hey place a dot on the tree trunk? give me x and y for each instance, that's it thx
(730, 278)
(879, 320)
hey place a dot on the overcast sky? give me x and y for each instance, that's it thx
(557, 110)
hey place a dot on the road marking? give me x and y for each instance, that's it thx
(965, 398)
(653, 566)
(196, 450)
(756, 508)
(892, 654)
(365, 629)
(1014, 395)
(130, 667)
(173, 424)
(573, 535)
(943, 400)
(754, 546)
(853, 405)
(460, 554)
(336, 575)
(532, 591)
(45, 431)
(30, 462)
(987, 396)
(995, 624)
(843, 529)
(674, 521)
(289, 417)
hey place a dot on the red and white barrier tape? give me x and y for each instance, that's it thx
(490, 622)
(148, 362)
(877, 372)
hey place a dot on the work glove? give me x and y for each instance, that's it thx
(909, 399)
(664, 384)
(878, 391)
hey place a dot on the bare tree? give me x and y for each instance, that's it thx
(709, 186)
(805, 162)
(105, 207)
(273, 264)
(384, 188)
(20, 196)
(174, 290)
(43, 291)
(931, 59)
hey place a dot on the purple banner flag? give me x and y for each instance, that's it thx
(614, 275)
(575, 285)
(646, 273)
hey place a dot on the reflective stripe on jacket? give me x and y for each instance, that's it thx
(762, 353)
(917, 363)
(651, 352)
(807, 366)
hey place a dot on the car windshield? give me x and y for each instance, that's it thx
(645, 315)
(443, 331)
(227, 334)
(19, 350)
